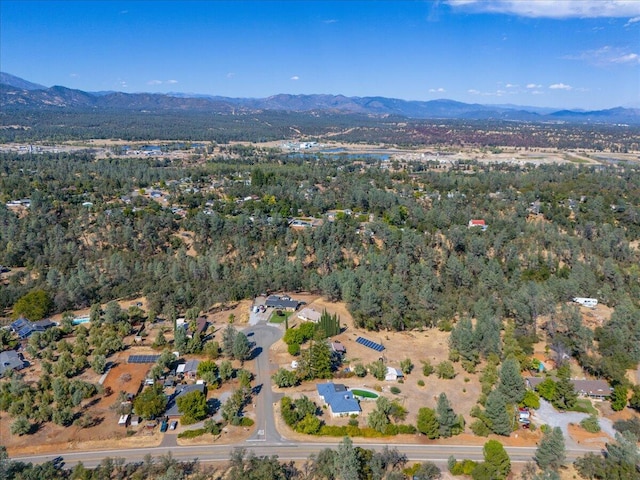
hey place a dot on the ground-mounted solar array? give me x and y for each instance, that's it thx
(368, 343)
(143, 358)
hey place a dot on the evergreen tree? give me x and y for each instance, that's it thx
(566, 396)
(346, 463)
(551, 450)
(497, 459)
(241, 347)
(463, 340)
(497, 413)
(228, 340)
(428, 423)
(447, 419)
(511, 385)
(180, 339)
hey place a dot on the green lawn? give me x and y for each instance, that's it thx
(275, 318)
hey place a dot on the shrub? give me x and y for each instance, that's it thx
(445, 370)
(377, 388)
(479, 428)
(463, 467)
(427, 368)
(246, 422)
(395, 390)
(192, 433)
(407, 429)
(421, 383)
(591, 424)
(294, 349)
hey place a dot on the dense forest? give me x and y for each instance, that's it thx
(56, 126)
(399, 252)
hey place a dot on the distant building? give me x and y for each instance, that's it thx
(586, 302)
(478, 224)
(11, 360)
(24, 328)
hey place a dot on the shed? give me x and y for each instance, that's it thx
(393, 374)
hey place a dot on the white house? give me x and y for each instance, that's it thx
(309, 315)
(586, 302)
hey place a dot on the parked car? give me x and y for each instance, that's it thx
(173, 425)
(164, 426)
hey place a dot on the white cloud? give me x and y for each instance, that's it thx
(533, 85)
(154, 82)
(73, 75)
(231, 74)
(437, 90)
(553, 8)
(473, 91)
(606, 56)
(632, 21)
(331, 20)
(560, 86)
(511, 85)
(172, 82)
(295, 77)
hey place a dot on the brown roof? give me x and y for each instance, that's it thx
(585, 387)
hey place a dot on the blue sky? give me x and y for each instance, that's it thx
(566, 54)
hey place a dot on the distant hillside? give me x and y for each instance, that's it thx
(16, 93)
(17, 82)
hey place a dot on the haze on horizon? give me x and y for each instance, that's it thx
(563, 54)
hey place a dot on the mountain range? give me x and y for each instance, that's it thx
(17, 93)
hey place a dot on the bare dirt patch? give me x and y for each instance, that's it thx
(582, 437)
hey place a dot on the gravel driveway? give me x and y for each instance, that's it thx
(552, 417)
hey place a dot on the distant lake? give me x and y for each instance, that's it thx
(342, 153)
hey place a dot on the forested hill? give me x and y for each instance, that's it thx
(402, 257)
(19, 94)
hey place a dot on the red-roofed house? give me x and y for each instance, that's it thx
(478, 223)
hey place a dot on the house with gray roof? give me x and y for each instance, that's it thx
(340, 400)
(172, 403)
(596, 389)
(282, 302)
(11, 360)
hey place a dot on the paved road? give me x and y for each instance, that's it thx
(290, 451)
(264, 336)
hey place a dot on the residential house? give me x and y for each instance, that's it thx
(24, 328)
(172, 404)
(282, 302)
(309, 315)
(341, 402)
(11, 360)
(477, 224)
(595, 389)
(189, 368)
